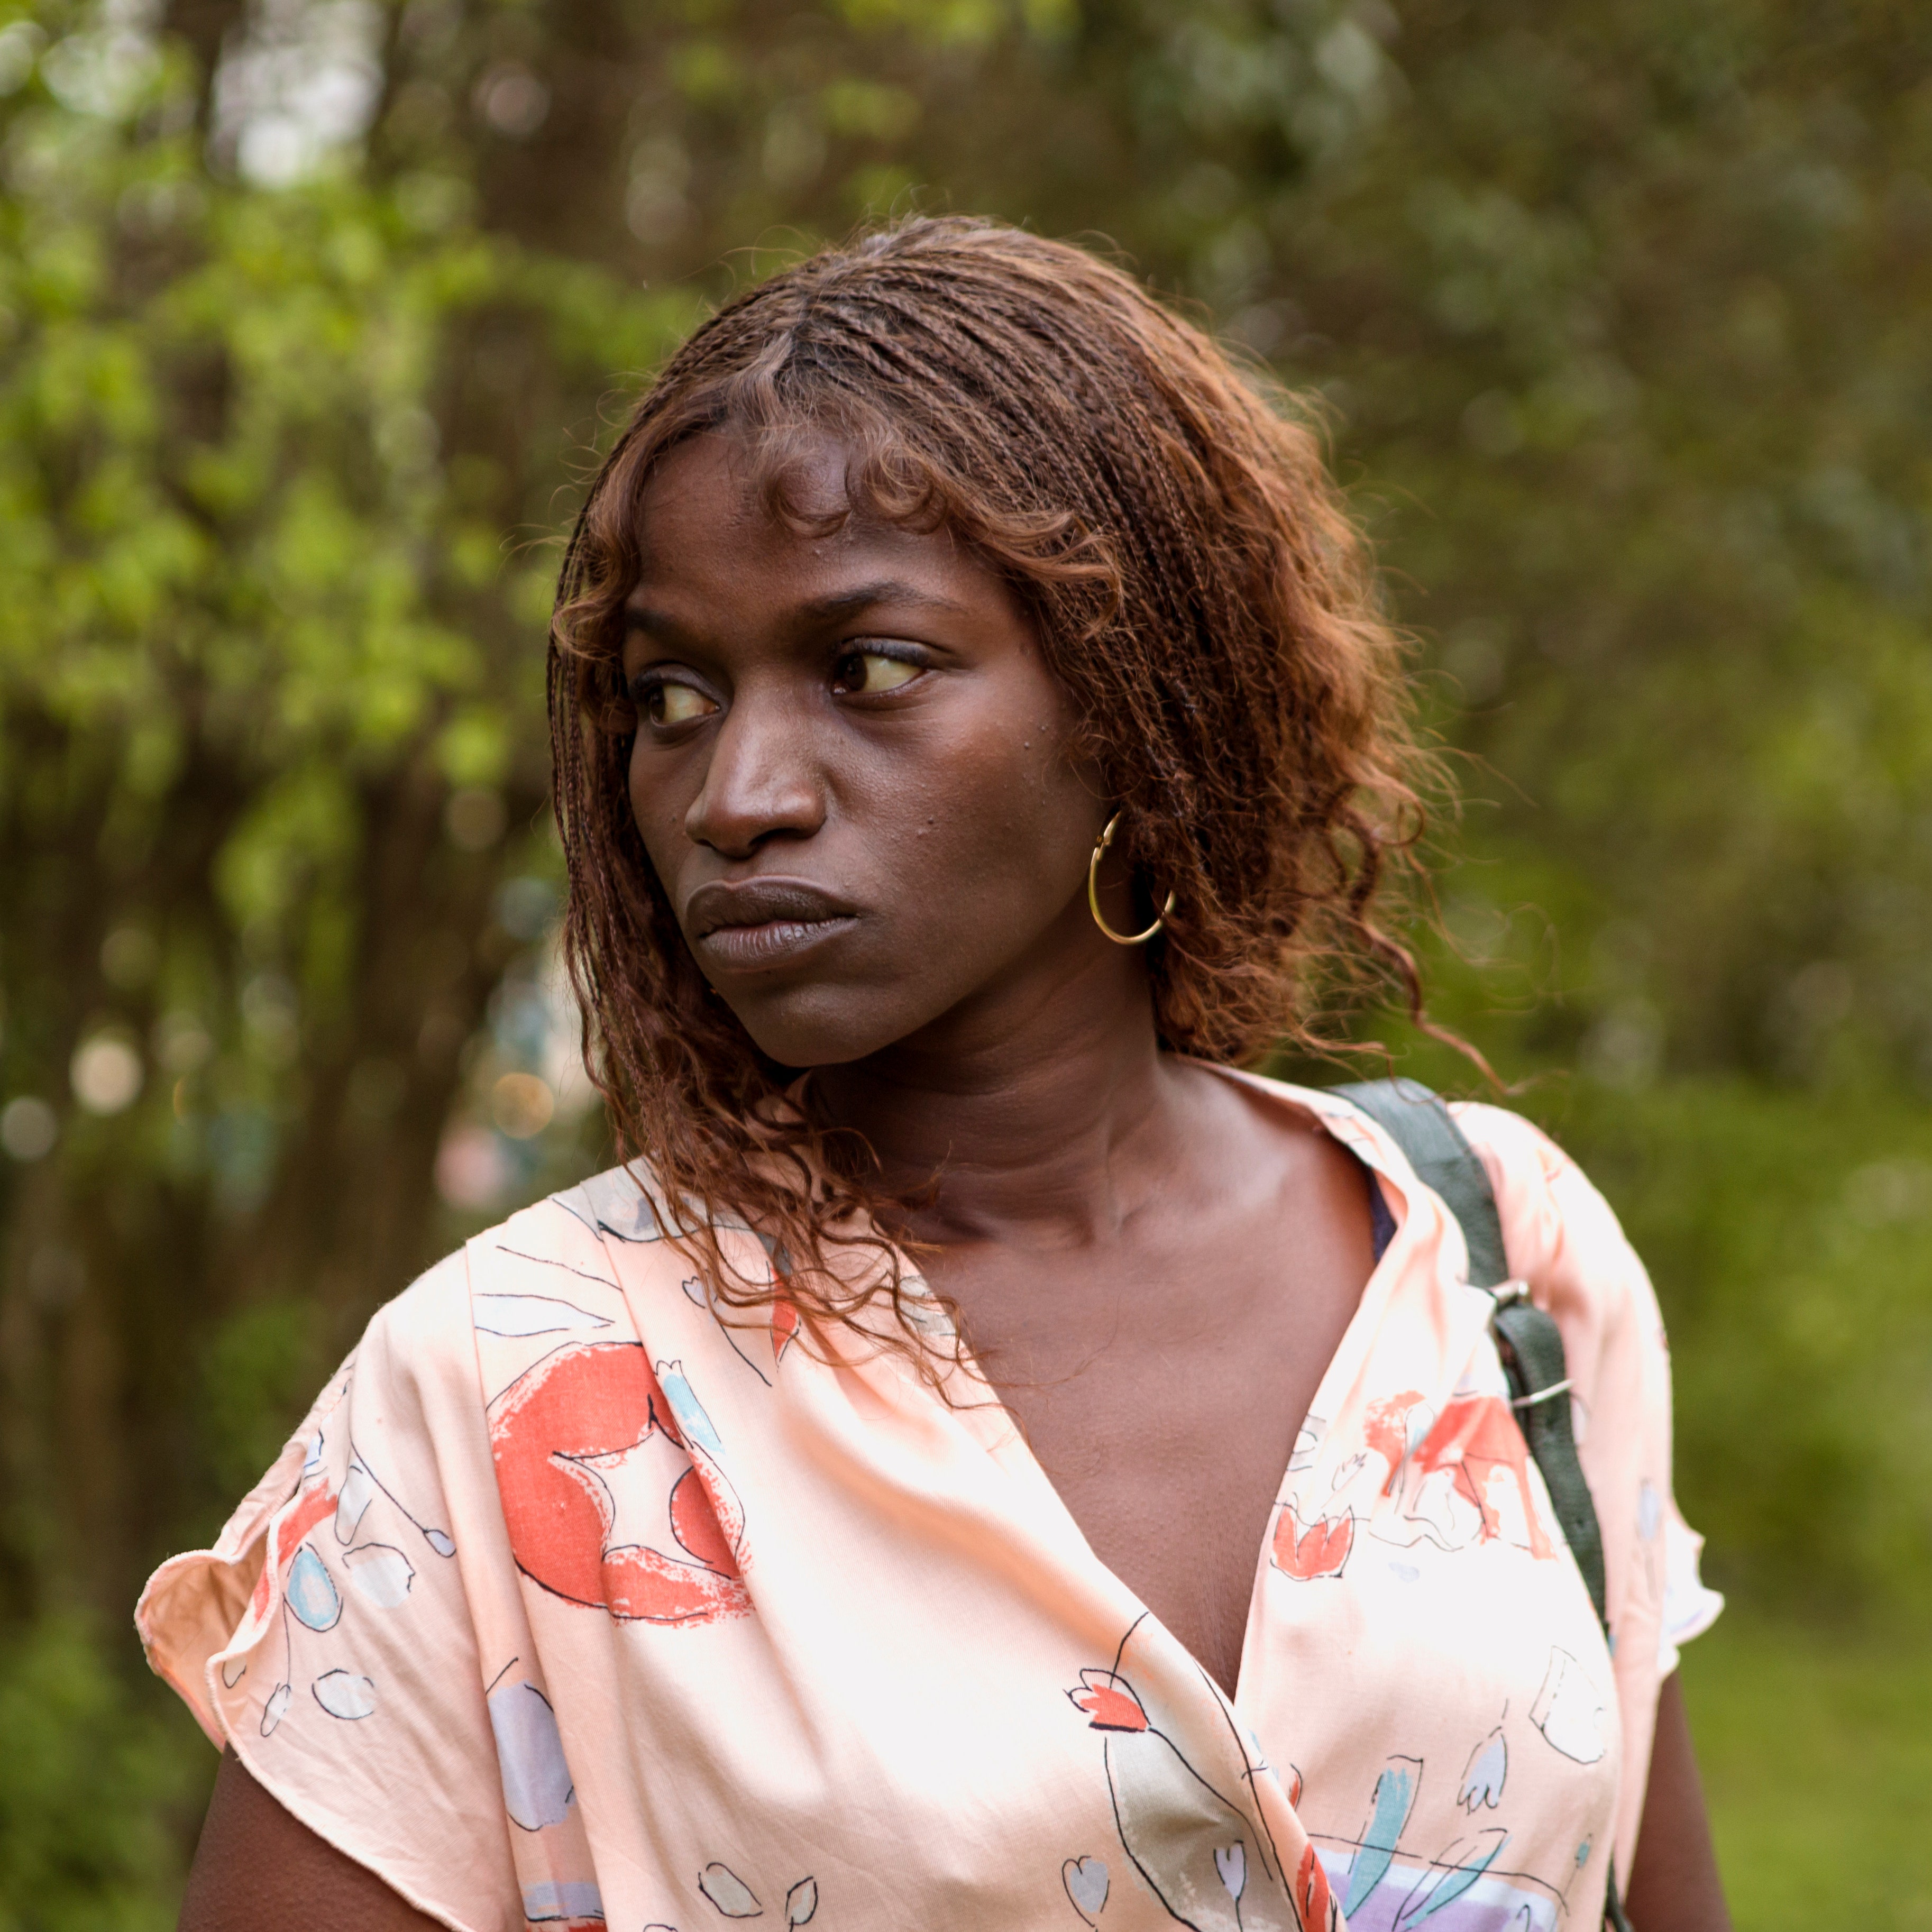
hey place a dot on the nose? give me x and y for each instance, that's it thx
(764, 779)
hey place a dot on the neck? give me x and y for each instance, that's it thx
(1045, 1110)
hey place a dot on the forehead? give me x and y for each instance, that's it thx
(711, 490)
(710, 534)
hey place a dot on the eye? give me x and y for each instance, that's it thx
(666, 703)
(867, 673)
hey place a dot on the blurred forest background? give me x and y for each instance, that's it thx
(313, 314)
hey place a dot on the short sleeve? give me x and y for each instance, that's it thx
(331, 1636)
(1690, 1607)
(1561, 1238)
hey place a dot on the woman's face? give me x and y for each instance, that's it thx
(850, 769)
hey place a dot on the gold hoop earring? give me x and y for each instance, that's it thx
(1100, 845)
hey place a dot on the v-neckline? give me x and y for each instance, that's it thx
(1344, 1366)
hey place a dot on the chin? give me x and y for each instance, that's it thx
(819, 1026)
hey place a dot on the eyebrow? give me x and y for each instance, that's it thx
(819, 610)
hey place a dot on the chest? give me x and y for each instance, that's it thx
(1162, 1388)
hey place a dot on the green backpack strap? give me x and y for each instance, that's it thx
(1532, 1347)
(1528, 1340)
(1425, 1131)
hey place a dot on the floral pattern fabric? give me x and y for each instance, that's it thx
(571, 1605)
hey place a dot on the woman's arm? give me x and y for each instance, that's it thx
(1674, 1885)
(256, 1866)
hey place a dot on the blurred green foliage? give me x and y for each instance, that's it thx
(1817, 1752)
(90, 1785)
(313, 314)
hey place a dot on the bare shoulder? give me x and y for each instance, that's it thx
(1255, 1119)
(1272, 1166)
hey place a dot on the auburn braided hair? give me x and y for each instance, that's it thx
(1199, 590)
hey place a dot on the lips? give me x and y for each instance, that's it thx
(743, 925)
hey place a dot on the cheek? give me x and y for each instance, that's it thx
(1000, 817)
(658, 806)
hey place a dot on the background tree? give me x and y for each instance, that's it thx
(312, 315)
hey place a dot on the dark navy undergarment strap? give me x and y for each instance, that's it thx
(1381, 1222)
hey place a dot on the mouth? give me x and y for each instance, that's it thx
(761, 923)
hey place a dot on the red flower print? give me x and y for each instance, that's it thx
(784, 1326)
(1108, 1701)
(1473, 1437)
(1313, 1905)
(581, 1442)
(1319, 1549)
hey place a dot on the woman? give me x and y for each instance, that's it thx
(975, 737)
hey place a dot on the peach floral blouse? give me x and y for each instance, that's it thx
(567, 1605)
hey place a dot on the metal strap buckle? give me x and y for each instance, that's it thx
(1541, 1395)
